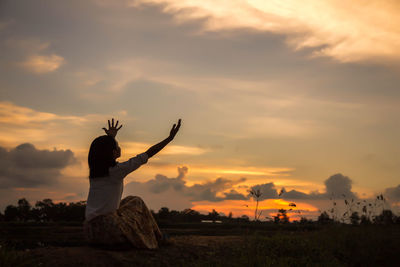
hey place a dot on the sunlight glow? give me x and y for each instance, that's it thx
(347, 31)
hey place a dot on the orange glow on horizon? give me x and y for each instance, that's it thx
(241, 207)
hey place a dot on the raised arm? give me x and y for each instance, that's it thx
(156, 148)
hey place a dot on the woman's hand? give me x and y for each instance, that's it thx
(112, 130)
(175, 129)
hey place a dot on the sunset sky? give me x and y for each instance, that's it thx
(301, 95)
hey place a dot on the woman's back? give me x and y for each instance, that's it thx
(105, 193)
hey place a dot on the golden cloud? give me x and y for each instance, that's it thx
(347, 31)
(22, 124)
(138, 147)
(42, 64)
(37, 57)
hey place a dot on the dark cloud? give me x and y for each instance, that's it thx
(209, 190)
(393, 193)
(162, 183)
(234, 195)
(336, 186)
(339, 186)
(294, 194)
(268, 191)
(26, 166)
(176, 187)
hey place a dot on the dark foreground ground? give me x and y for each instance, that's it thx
(33, 244)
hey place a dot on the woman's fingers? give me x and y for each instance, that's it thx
(112, 124)
(109, 125)
(116, 124)
(119, 126)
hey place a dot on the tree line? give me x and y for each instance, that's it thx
(48, 211)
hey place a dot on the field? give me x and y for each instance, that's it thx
(195, 244)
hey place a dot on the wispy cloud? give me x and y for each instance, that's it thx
(37, 54)
(138, 147)
(21, 124)
(346, 31)
(42, 63)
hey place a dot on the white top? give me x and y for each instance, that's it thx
(105, 192)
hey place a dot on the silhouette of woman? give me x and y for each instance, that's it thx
(110, 221)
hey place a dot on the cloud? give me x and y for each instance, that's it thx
(173, 190)
(294, 194)
(37, 56)
(393, 193)
(267, 190)
(40, 64)
(162, 183)
(175, 193)
(19, 123)
(26, 166)
(234, 195)
(339, 186)
(349, 32)
(169, 150)
(209, 190)
(336, 186)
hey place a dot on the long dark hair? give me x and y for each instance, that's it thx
(100, 156)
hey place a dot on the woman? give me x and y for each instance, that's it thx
(110, 221)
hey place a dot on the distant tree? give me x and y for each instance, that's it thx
(213, 215)
(75, 211)
(189, 215)
(364, 220)
(244, 218)
(304, 220)
(163, 213)
(355, 218)
(230, 215)
(281, 216)
(11, 213)
(24, 209)
(386, 217)
(397, 220)
(324, 218)
(46, 209)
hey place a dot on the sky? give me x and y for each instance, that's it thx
(272, 94)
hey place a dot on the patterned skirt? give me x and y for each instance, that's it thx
(131, 224)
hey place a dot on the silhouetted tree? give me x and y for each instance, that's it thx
(11, 213)
(189, 215)
(281, 216)
(24, 209)
(213, 215)
(244, 218)
(386, 217)
(163, 213)
(364, 220)
(304, 220)
(355, 218)
(324, 218)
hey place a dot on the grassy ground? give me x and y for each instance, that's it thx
(208, 245)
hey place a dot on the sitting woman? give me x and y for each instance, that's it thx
(110, 221)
